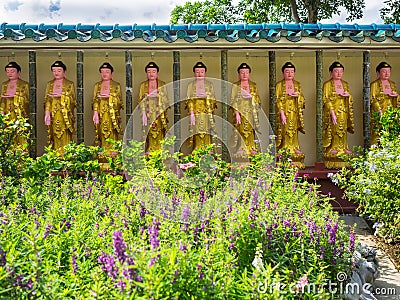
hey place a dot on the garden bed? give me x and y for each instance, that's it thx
(268, 236)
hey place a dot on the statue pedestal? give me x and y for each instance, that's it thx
(319, 173)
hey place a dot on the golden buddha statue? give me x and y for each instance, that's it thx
(59, 105)
(153, 101)
(290, 106)
(15, 96)
(383, 94)
(201, 103)
(106, 104)
(245, 102)
(337, 117)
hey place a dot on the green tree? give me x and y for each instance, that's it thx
(269, 11)
(391, 12)
(202, 12)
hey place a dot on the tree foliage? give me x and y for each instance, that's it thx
(390, 13)
(268, 11)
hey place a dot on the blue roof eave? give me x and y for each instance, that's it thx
(253, 33)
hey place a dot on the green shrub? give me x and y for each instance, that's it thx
(97, 238)
(374, 178)
(12, 154)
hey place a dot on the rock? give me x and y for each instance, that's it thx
(364, 273)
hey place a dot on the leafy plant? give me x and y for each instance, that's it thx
(12, 153)
(76, 160)
(373, 179)
(97, 238)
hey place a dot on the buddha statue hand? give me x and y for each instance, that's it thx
(54, 95)
(283, 117)
(96, 119)
(333, 116)
(102, 96)
(393, 94)
(192, 118)
(294, 94)
(47, 118)
(345, 94)
(7, 96)
(238, 118)
(144, 118)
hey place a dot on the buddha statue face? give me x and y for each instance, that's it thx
(199, 73)
(58, 72)
(337, 73)
(152, 73)
(106, 74)
(244, 74)
(12, 73)
(384, 73)
(288, 74)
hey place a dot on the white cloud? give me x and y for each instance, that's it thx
(89, 11)
(12, 5)
(371, 14)
(119, 11)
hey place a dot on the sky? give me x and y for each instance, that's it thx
(123, 12)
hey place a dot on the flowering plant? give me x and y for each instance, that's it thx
(97, 238)
(13, 155)
(374, 178)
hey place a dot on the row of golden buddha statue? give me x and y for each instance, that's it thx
(338, 119)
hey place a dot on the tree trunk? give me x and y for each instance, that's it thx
(295, 14)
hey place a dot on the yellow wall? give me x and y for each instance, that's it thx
(304, 61)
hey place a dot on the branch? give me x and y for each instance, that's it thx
(295, 13)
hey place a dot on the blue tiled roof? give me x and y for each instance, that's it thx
(196, 32)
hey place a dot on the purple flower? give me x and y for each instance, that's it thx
(352, 241)
(108, 265)
(66, 225)
(74, 264)
(322, 251)
(89, 192)
(119, 246)
(202, 196)
(47, 232)
(153, 232)
(122, 286)
(332, 233)
(130, 272)
(152, 261)
(3, 259)
(254, 195)
(286, 223)
(267, 205)
(231, 246)
(20, 281)
(185, 214)
(182, 247)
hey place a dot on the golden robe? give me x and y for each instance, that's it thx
(381, 102)
(248, 111)
(156, 112)
(203, 108)
(334, 137)
(287, 134)
(62, 127)
(109, 126)
(17, 106)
